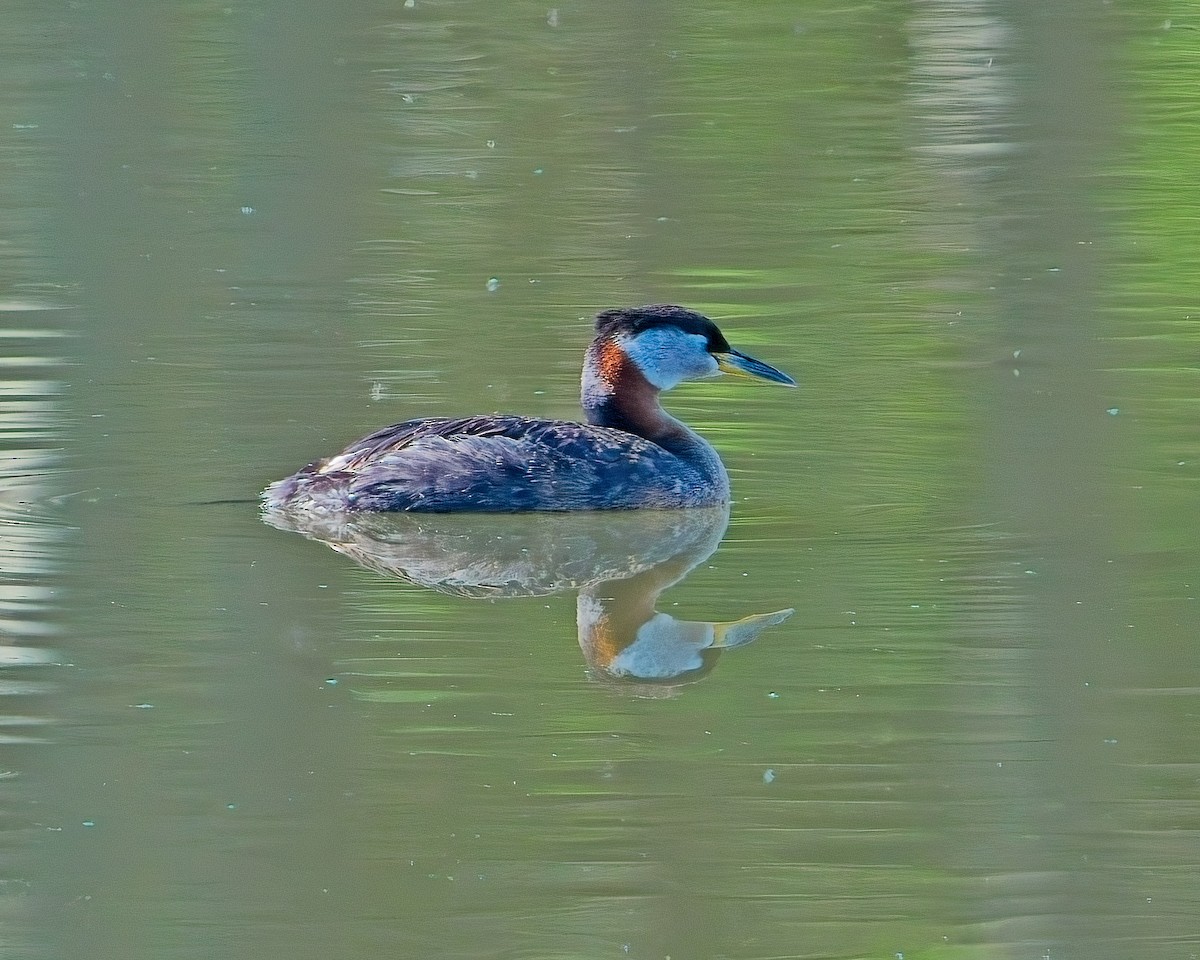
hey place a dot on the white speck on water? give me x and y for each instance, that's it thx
(768, 775)
(142, 706)
(1113, 411)
(409, 4)
(773, 695)
(89, 823)
(1016, 354)
(552, 17)
(1110, 741)
(491, 144)
(331, 682)
(247, 210)
(493, 284)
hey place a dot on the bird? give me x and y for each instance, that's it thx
(630, 453)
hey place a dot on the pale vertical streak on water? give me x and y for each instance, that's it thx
(1024, 154)
(964, 98)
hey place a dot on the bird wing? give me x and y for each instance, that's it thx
(506, 463)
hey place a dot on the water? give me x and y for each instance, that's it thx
(235, 238)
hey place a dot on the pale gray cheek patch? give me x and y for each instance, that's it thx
(667, 356)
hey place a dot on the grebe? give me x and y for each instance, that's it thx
(630, 454)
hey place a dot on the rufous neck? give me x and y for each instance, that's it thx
(616, 394)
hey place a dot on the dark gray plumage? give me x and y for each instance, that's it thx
(498, 463)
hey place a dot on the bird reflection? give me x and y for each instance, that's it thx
(618, 562)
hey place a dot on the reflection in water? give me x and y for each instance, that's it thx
(619, 562)
(961, 86)
(29, 439)
(30, 547)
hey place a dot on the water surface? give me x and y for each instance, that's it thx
(236, 238)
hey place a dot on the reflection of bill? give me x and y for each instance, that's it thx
(662, 649)
(619, 562)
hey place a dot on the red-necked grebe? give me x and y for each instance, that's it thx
(630, 454)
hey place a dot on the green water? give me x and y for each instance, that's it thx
(236, 237)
